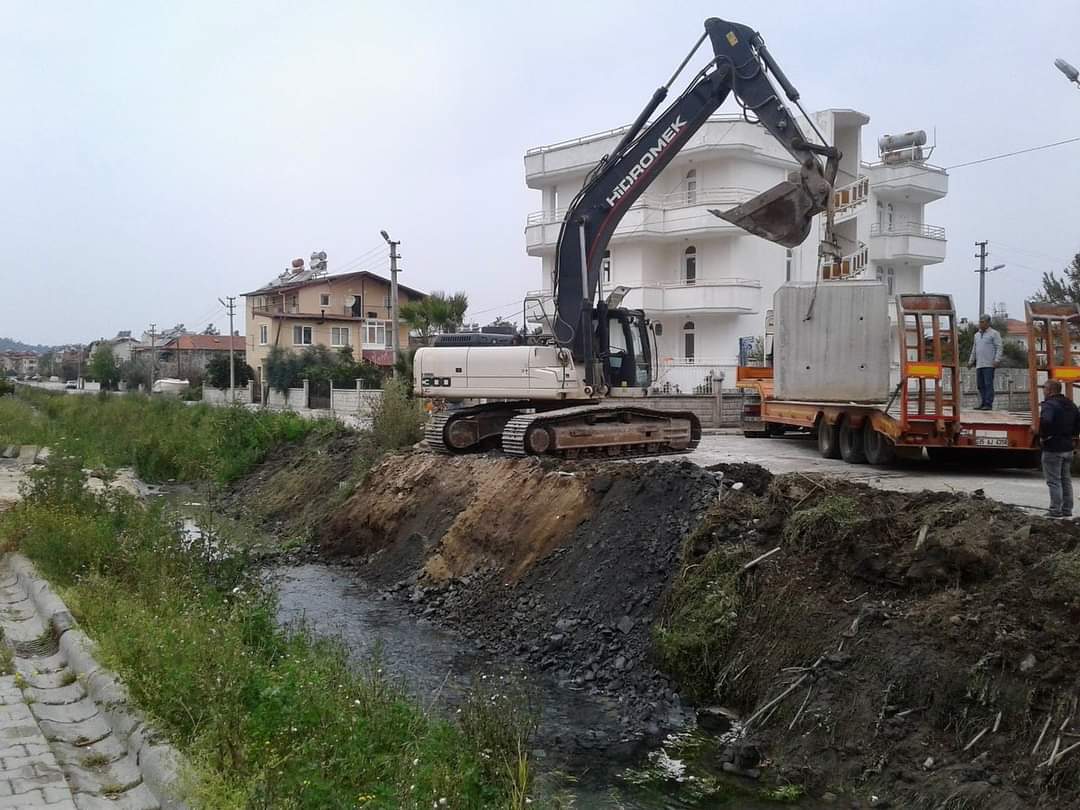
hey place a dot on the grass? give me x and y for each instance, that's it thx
(833, 517)
(163, 439)
(700, 615)
(268, 718)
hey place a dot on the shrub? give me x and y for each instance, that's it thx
(830, 518)
(217, 372)
(397, 418)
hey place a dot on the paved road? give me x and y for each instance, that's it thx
(783, 455)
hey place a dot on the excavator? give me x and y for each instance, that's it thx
(582, 389)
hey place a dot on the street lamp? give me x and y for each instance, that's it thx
(1071, 73)
(394, 256)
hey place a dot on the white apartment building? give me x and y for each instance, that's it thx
(705, 283)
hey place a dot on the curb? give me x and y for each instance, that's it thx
(159, 763)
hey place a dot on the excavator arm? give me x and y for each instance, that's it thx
(782, 214)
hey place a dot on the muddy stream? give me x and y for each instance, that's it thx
(578, 751)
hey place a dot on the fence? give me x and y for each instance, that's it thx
(354, 402)
(715, 410)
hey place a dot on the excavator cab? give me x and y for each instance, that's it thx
(627, 362)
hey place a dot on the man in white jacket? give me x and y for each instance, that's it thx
(986, 353)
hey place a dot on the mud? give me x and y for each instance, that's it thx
(900, 649)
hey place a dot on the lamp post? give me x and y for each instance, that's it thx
(1071, 73)
(394, 295)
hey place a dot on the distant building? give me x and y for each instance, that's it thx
(301, 308)
(705, 283)
(189, 355)
(19, 364)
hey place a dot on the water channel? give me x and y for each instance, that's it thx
(571, 749)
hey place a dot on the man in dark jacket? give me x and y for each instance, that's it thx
(1059, 425)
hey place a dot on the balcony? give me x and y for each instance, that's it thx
(714, 295)
(912, 242)
(911, 182)
(680, 213)
(848, 266)
(848, 200)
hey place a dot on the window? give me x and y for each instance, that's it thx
(386, 300)
(375, 334)
(890, 216)
(339, 336)
(789, 262)
(605, 266)
(292, 305)
(301, 335)
(658, 328)
(690, 265)
(264, 334)
(688, 341)
(880, 216)
(691, 187)
(324, 300)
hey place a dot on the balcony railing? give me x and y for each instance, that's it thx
(848, 266)
(724, 197)
(850, 197)
(909, 229)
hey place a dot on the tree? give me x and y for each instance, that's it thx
(217, 372)
(103, 367)
(1065, 290)
(438, 312)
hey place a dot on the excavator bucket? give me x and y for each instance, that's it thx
(783, 213)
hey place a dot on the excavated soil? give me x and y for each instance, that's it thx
(898, 650)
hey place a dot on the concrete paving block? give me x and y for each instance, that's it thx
(13, 734)
(108, 749)
(139, 798)
(27, 453)
(83, 732)
(122, 773)
(57, 695)
(42, 665)
(65, 712)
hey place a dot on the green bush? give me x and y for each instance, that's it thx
(162, 438)
(397, 420)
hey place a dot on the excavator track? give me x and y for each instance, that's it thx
(439, 426)
(582, 419)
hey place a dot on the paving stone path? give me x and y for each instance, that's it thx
(56, 749)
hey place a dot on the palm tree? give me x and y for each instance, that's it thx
(438, 312)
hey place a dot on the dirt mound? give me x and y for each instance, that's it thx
(454, 516)
(917, 643)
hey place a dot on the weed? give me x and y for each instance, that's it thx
(700, 615)
(833, 516)
(68, 678)
(397, 418)
(785, 794)
(7, 659)
(270, 719)
(95, 761)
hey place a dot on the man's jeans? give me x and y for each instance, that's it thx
(1057, 467)
(985, 378)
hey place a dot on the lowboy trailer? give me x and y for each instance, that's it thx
(924, 410)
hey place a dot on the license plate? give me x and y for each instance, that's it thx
(990, 441)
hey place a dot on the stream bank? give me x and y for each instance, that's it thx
(900, 649)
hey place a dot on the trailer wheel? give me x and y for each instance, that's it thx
(852, 447)
(828, 439)
(880, 450)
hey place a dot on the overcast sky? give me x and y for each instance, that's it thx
(156, 156)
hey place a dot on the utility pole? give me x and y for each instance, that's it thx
(982, 256)
(394, 256)
(231, 307)
(153, 357)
